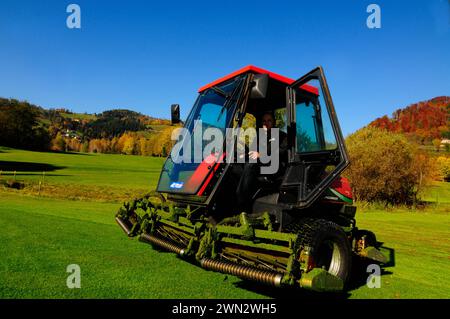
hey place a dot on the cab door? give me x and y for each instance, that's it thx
(317, 153)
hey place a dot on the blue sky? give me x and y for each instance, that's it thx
(146, 55)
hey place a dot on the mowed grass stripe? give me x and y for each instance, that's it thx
(80, 210)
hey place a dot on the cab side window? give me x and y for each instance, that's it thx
(314, 130)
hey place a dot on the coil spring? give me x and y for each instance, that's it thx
(162, 243)
(245, 272)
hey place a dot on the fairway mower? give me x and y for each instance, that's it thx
(299, 226)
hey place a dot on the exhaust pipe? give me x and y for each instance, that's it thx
(124, 226)
(250, 273)
(146, 238)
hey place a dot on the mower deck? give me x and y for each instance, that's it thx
(240, 246)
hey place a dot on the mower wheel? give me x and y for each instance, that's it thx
(328, 246)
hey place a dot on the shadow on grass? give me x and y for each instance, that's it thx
(28, 167)
(278, 293)
(18, 175)
(360, 274)
(424, 204)
(289, 292)
(357, 280)
(4, 149)
(70, 153)
(268, 291)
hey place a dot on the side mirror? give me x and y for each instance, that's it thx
(259, 89)
(175, 113)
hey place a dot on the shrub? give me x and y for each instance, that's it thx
(385, 167)
(437, 144)
(443, 164)
(58, 143)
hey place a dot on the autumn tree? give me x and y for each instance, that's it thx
(129, 144)
(85, 147)
(422, 122)
(58, 143)
(73, 145)
(386, 167)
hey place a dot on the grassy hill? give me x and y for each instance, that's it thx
(79, 116)
(43, 234)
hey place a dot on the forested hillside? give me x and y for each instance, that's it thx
(28, 126)
(423, 122)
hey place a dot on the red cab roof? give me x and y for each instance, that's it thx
(254, 69)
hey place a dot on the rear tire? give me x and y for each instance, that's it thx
(328, 244)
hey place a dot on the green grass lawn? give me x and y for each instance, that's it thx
(79, 116)
(42, 235)
(422, 253)
(438, 193)
(108, 170)
(109, 177)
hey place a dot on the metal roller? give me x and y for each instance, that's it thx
(245, 272)
(161, 243)
(124, 226)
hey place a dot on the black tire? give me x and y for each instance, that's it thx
(328, 244)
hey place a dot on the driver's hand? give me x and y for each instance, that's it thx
(253, 155)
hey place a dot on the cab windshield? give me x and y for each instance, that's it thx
(215, 108)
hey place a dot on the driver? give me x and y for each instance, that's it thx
(248, 183)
